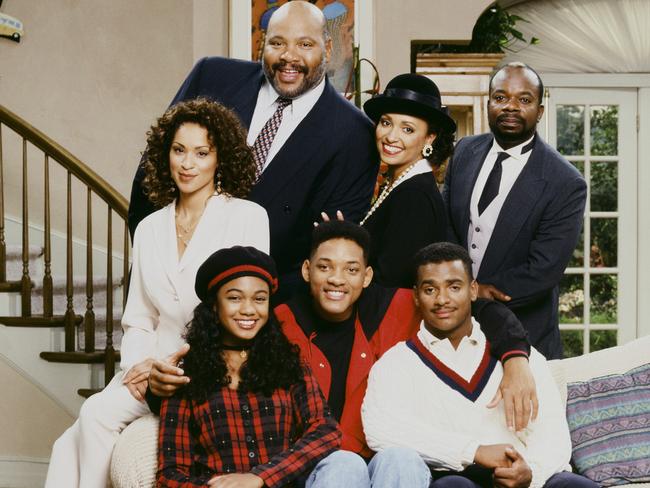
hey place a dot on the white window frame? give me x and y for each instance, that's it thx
(638, 221)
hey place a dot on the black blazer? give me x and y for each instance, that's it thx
(534, 236)
(328, 163)
(411, 217)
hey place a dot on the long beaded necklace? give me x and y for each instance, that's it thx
(386, 191)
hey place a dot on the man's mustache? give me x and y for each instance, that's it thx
(510, 116)
(299, 67)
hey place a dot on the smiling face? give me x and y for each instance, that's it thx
(337, 273)
(243, 309)
(295, 51)
(192, 160)
(444, 295)
(514, 106)
(400, 139)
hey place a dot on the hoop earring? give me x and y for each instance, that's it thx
(427, 150)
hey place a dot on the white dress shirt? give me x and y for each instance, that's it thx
(161, 297)
(481, 226)
(421, 167)
(408, 405)
(292, 115)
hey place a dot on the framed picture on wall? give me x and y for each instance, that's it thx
(349, 22)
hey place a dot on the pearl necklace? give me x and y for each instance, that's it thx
(386, 191)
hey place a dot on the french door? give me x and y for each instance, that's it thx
(596, 130)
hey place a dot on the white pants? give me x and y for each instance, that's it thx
(81, 457)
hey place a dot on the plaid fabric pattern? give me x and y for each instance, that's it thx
(265, 138)
(278, 438)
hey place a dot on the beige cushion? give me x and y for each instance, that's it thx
(614, 360)
(135, 456)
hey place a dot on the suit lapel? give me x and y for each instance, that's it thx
(519, 203)
(472, 167)
(165, 246)
(298, 150)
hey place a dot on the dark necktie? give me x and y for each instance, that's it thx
(491, 188)
(265, 138)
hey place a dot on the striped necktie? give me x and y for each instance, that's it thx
(265, 138)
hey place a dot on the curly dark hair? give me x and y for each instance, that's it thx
(273, 362)
(443, 146)
(235, 163)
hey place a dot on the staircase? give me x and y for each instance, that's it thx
(59, 303)
(37, 283)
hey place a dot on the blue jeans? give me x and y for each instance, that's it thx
(392, 468)
(558, 480)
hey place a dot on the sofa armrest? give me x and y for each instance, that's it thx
(135, 455)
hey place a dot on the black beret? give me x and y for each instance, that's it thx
(230, 263)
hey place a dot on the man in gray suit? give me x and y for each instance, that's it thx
(517, 206)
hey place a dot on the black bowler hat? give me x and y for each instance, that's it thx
(230, 263)
(411, 94)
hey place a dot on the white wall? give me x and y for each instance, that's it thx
(30, 421)
(93, 75)
(399, 23)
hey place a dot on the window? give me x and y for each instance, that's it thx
(596, 131)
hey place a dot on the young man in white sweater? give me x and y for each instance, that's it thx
(427, 396)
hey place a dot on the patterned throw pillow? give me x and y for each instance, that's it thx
(609, 420)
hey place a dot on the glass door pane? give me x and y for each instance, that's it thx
(596, 131)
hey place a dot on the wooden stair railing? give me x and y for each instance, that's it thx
(116, 204)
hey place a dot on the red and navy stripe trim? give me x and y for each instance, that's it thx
(245, 269)
(471, 389)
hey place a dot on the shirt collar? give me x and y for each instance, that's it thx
(267, 97)
(514, 152)
(421, 167)
(475, 338)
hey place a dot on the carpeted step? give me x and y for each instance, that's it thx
(79, 299)
(100, 330)
(15, 262)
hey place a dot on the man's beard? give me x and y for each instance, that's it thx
(310, 79)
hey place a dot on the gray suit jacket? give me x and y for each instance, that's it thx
(534, 236)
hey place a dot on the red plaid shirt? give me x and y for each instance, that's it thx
(277, 438)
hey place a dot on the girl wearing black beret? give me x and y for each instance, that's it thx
(252, 414)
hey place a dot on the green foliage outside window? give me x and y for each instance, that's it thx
(603, 246)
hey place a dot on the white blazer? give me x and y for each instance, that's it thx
(161, 296)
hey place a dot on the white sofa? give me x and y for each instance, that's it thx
(134, 456)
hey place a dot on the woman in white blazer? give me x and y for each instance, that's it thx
(198, 170)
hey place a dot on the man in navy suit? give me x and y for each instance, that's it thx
(322, 157)
(517, 206)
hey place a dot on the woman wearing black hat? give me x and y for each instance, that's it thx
(414, 133)
(252, 414)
